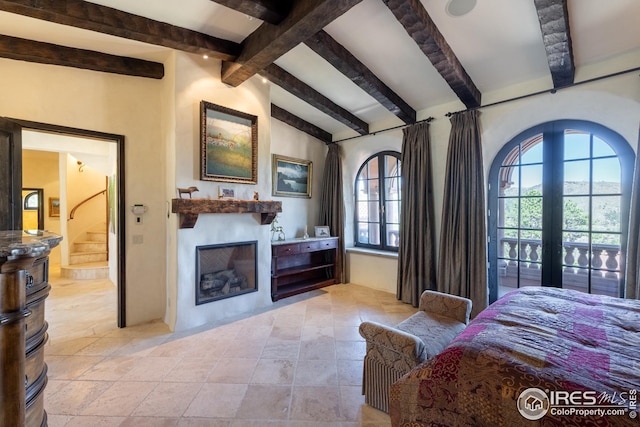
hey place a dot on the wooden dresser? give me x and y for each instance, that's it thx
(24, 288)
(300, 265)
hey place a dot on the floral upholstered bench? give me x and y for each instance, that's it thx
(392, 351)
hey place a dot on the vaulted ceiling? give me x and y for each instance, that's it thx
(339, 68)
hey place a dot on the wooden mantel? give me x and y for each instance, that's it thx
(189, 209)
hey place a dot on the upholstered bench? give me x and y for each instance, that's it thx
(392, 351)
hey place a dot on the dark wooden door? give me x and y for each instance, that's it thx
(10, 175)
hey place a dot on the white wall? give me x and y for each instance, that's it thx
(129, 106)
(614, 103)
(299, 212)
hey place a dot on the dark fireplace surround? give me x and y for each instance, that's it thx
(226, 270)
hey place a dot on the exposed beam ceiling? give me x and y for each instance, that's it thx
(46, 53)
(305, 92)
(554, 23)
(419, 25)
(269, 42)
(90, 16)
(334, 53)
(271, 11)
(300, 124)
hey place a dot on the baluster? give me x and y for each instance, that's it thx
(533, 255)
(583, 259)
(512, 252)
(523, 251)
(612, 263)
(596, 261)
(569, 259)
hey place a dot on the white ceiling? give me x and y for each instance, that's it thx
(499, 44)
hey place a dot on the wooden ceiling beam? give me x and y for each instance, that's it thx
(300, 124)
(305, 92)
(341, 59)
(46, 53)
(269, 42)
(271, 11)
(94, 17)
(419, 25)
(554, 24)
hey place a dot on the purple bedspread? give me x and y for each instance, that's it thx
(578, 354)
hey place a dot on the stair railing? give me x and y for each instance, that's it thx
(73, 211)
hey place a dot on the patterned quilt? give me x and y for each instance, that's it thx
(536, 357)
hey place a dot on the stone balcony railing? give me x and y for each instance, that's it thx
(603, 260)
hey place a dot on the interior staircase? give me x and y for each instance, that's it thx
(88, 258)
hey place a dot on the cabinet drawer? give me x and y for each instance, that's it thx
(281, 250)
(309, 246)
(328, 244)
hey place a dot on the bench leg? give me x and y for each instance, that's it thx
(376, 381)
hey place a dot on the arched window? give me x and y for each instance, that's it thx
(559, 199)
(377, 198)
(31, 201)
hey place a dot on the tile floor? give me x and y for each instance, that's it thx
(298, 363)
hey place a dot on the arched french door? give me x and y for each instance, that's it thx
(559, 199)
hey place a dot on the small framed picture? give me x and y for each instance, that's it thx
(291, 177)
(226, 193)
(322, 231)
(54, 206)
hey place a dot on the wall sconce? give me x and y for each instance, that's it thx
(80, 166)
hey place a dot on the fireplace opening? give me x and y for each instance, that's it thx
(225, 270)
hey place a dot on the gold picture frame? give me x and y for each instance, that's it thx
(54, 206)
(291, 177)
(228, 145)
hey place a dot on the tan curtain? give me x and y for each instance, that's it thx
(332, 202)
(632, 277)
(462, 266)
(416, 257)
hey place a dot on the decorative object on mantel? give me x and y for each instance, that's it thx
(256, 196)
(291, 177)
(228, 145)
(188, 190)
(226, 193)
(189, 209)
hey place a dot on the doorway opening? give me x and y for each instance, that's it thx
(81, 177)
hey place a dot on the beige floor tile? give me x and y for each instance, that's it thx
(167, 400)
(109, 369)
(74, 397)
(297, 365)
(274, 371)
(217, 401)
(265, 402)
(93, 421)
(70, 367)
(316, 373)
(150, 368)
(120, 399)
(191, 370)
(316, 404)
(233, 371)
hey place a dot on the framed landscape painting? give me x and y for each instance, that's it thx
(291, 177)
(228, 144)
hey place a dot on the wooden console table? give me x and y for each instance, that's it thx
(300, 265)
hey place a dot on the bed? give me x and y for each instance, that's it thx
(537, 356)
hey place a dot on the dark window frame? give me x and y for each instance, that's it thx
(384, 245)
(553, 136)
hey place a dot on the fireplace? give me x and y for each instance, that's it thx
(225, 270)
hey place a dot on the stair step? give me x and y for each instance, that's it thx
(85, 257)
(86, 271)
(89, 246)
(97, 236)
